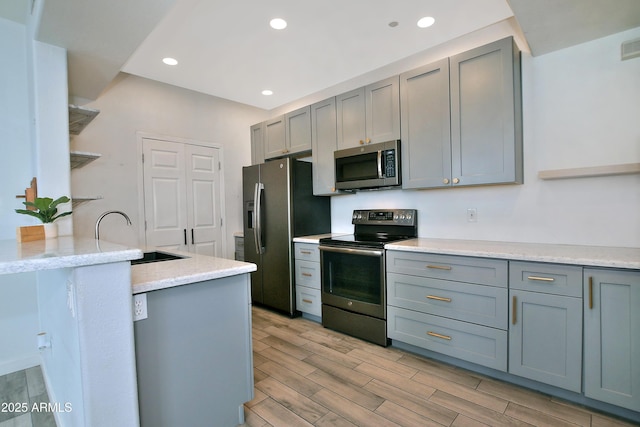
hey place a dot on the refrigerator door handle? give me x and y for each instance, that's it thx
(257, 217)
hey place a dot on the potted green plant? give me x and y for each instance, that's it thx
(46, 210)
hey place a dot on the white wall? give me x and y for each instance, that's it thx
(18, 306)
(580, 108)
(133, 104)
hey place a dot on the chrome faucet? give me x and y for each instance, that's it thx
(97, 235)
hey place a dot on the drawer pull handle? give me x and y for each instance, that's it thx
(514, 317)
(439, 267)
(306, 252)
(437, 335)
(437, 298)
(307, 274)
(541, 279)
(308, 301)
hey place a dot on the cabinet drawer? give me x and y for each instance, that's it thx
(308, 273)
(484, 305)
(308, 300)
(482, 271)
(554, 279)
(307, 251)
(477, 344)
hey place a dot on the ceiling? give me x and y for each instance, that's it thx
(227, 49)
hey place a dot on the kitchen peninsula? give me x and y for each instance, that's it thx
(84, 291)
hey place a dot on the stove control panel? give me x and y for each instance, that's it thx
(407, 217)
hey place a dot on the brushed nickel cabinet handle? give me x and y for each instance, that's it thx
(439, 298)
(456, 180)
(305, 252)
(439, 267)
(541, 279)
(591, 293)
(514, 317)
(437, 335)
(445, 180)
(307, 274)
(308, 301)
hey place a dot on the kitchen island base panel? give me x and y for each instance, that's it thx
(194, 354)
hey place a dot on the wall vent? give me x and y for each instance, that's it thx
(631, 49)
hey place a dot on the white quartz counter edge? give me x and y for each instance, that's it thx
(315, 238)
(596, 256)
(191, 269)
(62, 252)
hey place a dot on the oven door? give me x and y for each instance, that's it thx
(354, 279)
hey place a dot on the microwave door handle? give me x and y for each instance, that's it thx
(380, 164)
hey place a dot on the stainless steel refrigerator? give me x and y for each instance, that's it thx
(279, 205)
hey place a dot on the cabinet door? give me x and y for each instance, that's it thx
(426, 135)
(298, 130)
(612, 337)
(351, 127)
(257, 144)
(274, 137)
(382, 110)
(486, 123)
(545, 338)
(324, 142)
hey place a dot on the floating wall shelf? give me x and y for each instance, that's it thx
(610, 170)
(79, 118)
(80, 158)
(77, 201)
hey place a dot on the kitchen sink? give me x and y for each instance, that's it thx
(155, 257)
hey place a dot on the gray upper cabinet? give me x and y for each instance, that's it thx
(462, 121)
(486, 115)
(257, 144)
(369, 114)
(324, 142)
(288, 134)
(612, 336)
(426, 136)
(274, 137)
(298, 130)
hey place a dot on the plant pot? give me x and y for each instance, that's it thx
(50, 230)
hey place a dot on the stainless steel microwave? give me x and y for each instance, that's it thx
(368, 166)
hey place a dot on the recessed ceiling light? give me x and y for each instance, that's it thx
(170, 61)
(425, 22)
(278, 24)
(267, 92)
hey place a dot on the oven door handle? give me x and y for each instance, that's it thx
(352, 251)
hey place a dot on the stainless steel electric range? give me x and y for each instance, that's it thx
(353, 272)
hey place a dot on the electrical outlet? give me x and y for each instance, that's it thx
(139, 307)
(472, 215)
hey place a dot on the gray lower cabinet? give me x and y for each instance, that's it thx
(449, 304)
(477, 94)
(194, 354)
(612, 336)
(545, 332)
(323, 143)
(307, 267)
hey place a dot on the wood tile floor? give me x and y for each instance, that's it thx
(306, 375)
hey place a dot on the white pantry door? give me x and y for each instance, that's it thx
(182, 196)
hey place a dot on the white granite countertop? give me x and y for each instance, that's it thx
(315, 238)
(62, 252)
(191, 269)
(600, 256)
